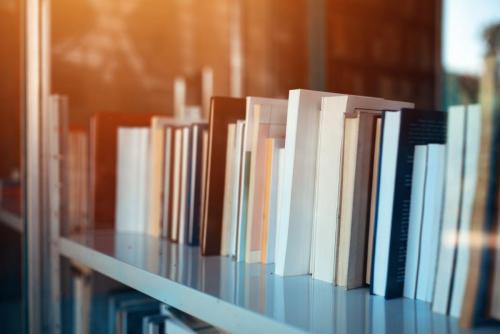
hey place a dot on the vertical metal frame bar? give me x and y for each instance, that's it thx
(32, 216)
(40, 310)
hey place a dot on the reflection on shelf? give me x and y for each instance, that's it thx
(11, 220)
(298, 302)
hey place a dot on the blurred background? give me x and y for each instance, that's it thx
(130, 55)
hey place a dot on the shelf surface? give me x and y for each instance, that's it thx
(11, 220)
(241, 297)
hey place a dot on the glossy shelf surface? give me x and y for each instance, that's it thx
(241, 297)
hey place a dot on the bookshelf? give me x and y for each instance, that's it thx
(245, 297)
(11, 220)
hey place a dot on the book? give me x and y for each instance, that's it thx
(132, 180)
(268, 240)
(223, 111)
(269, 121)
(244, 185)
(198, 131)
(451, 210)
(184, 186)
(329, 173)
(415, 221)
(157, 129)
(402, 130)
(431, 221)
(237, 181)
(77, 181)
(103, 135)
(297, 206)
(228, 186)
(471, 155)
(373, 199)
(357, 166)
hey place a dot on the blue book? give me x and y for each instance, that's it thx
(402, 130)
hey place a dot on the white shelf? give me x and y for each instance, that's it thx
(11, 220)
(242, 297)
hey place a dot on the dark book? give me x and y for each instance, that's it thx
(401, 132)
(223, 111)
(195, 183)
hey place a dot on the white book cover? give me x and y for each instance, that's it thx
(236, 183)
(132, 187)
(228, 186)
(251, 103)
(471, 158)
(329, 174)
(415, 223)
(451, 209)
(386, 189)
(431, 221)
(273, 200)
(297, 210)
(269, 122)
(278, 248)
(176, 181)
(184, 190)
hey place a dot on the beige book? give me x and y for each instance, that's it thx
(373, 199)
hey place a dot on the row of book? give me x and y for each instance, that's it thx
(322, 183)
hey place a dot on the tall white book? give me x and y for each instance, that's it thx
(298, 187)
(451, 209)
(415, 224)
(431, 221)
(471, 158)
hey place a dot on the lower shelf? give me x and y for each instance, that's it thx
(240, 297)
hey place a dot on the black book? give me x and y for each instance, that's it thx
(402, 130)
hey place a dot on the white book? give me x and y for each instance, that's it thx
(278, 248)
(278, 145)
(415, 223)
(269, 122)
(176, 181)
(251, 102)
(184, 186)
(386, 190)
(238, 153)
(431, 221)
(471, 158)
(329, 174)
(133, 158)
(228, 186)
(451, 209)
(298, 187)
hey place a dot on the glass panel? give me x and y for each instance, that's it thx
(10, 167)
